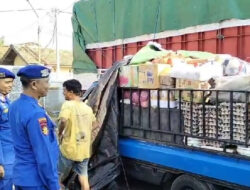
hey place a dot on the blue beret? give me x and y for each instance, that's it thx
(34, 72)
(5, 73)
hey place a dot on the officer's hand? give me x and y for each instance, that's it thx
(1, 171)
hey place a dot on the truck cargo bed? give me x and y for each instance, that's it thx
(209, 138)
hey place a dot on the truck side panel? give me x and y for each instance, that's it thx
(215, 166)
(233, 40)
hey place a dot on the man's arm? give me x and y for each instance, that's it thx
(45, 149)
(63, 119)
(61, 126)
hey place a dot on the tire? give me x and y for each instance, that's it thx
(186, 182)
(167, 180)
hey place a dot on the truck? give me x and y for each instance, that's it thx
(156, 148)
(153, 143)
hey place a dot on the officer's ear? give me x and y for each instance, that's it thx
(33, 84)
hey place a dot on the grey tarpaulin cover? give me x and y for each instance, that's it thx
(105, 162)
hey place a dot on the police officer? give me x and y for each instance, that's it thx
(7, 155)
(35, 142)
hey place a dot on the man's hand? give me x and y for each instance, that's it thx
(60, 137)
(1, 171)
(61, 125)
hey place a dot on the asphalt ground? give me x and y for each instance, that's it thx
(133, 184)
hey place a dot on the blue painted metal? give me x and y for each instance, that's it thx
(215, 166)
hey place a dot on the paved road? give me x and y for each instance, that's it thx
(137, 185)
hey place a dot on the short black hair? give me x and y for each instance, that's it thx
(25, 81)
(74, 86)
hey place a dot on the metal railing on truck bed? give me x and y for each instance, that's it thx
(208, 120)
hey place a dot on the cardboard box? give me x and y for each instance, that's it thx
(167, 82)
(134, 75)
(128, 76)
(163, 95)
(191, 84)
(124, 76)
(149, 75)
(163, 99)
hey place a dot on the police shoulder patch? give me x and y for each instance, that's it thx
(44, 125)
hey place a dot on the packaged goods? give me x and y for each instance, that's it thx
(191, 84)
(151, 51)
(243, 150)
(166, 81)
(134, 96)
(196, 54)
(233, 83)
(235, 66)
(124, 76)
(149, 75)
(163, 99)
(196, 62)
(240, 82)
(128, 76)
(202, 72)
(171, 58)
(134, 75)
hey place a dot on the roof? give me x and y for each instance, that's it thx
(3, 50)
(49, 55)
(29, 53)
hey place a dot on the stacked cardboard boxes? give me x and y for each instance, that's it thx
(128, 76)
(186, 95)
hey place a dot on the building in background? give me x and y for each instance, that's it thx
(13, 57)
(23, 54)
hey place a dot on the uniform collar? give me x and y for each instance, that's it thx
(3, 98)
(26, 97)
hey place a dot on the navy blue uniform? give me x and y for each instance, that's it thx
(35, 146)
(7, 155)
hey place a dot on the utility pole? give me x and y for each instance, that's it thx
(38, 31)
(57, 47)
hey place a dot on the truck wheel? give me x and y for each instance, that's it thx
(167, 180)
(186, 182)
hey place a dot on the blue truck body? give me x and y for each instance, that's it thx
(219, 167)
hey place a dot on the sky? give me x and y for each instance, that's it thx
(21, 26)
